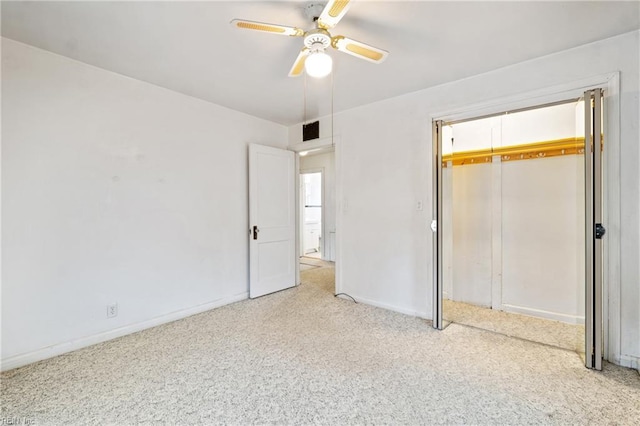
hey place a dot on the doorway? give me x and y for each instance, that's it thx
(311, 217)
(518, 203)
(317, 213)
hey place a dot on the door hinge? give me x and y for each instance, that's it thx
(599, 231)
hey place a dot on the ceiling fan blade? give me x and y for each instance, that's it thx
(359, 49)
(333, 13)
(268, 28)
(298, 65)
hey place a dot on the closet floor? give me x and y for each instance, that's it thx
(548, 332)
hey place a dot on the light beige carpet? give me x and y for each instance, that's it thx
(319, 278)
(302, 356)
(306, 267)
(554, 333)
(307, 263)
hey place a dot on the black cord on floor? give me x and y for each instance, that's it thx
(345, 294)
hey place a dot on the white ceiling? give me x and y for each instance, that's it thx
(190, 47)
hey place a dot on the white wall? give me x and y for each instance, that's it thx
(385, 168)
(115, 190)
(543, 204)
(472, 197)
(517, 231)
(543, 238)
(539, 208)
(326, 162)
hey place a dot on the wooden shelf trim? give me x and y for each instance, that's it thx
(529, 151)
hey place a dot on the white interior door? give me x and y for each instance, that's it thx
(272, 247)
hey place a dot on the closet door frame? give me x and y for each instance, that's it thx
(610, 83)
(593, 150)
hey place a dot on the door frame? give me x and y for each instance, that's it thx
(610, 82)
(324, 143)
(593, 217)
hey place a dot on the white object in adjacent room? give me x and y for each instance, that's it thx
(312, 212)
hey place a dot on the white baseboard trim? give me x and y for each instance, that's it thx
(629, 361)
(411, 312)
(571, 319)
(62, 348)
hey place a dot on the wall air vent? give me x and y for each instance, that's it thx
(310, 131)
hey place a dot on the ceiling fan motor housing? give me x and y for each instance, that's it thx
(317, 39)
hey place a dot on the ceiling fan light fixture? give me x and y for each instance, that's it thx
(318, 64)
(313, 57)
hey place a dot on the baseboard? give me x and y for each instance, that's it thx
(413, 313)
(62, 348)
(629, 361)
(570, 319)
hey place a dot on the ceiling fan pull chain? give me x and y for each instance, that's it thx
(333, 145)
(304, 108)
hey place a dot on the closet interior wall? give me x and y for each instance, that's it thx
(514, 227)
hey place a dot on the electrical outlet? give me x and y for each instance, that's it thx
(419, 205)
(112, 310)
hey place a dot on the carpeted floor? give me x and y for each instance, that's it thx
(307, 263)
(302, 356)
(548, 332)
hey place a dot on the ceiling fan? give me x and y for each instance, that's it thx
(313, 57)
